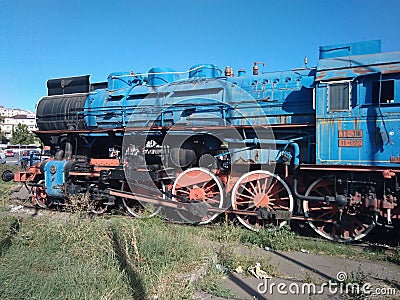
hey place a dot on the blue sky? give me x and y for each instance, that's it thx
(43, 39)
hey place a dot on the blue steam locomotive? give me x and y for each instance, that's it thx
(316, 144)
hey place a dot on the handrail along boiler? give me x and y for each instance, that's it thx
(316, 144)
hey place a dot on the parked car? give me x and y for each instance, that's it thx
(29, 152)
(9, 153)
(24, 162)
(2, 158)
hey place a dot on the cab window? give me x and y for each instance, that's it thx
(339, 96)
(383, 92)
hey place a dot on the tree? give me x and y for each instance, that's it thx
(2, 135)
(22, 135)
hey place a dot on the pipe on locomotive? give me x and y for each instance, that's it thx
(256, 141)
(326, 199)
(339, 200)
(158, 73)
(68, 144)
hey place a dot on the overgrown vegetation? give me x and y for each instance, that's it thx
(97, 259)
(6, 187)
(74, 256)
(286, 239)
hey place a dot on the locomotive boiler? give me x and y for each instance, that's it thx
(316, 144)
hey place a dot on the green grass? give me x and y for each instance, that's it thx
(97, 259)
(5, 187)
(285, 239)
(9, 226)
(72, 256)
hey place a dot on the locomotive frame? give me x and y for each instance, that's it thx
(313, 144)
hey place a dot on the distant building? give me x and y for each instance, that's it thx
(11, 117)
(11, 112)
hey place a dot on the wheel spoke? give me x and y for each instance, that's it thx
(246, 196)
(212, 200)
(324, 214)
(134, 207)
(279, 206)
(250, 192)
(213, 193)
(250, 207)
(321, 194)
(183, 191)
(259, 185)
(265, 186)
(245, 202)
(253, 187)
(271, 187)
(277, 192)
(210, 187)
(326, 189)
(348, 229)
(207, 189)
(260, 190)
(279, 199)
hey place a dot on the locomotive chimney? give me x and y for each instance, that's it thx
(228, 71)
(241, 72)
(255, 69)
